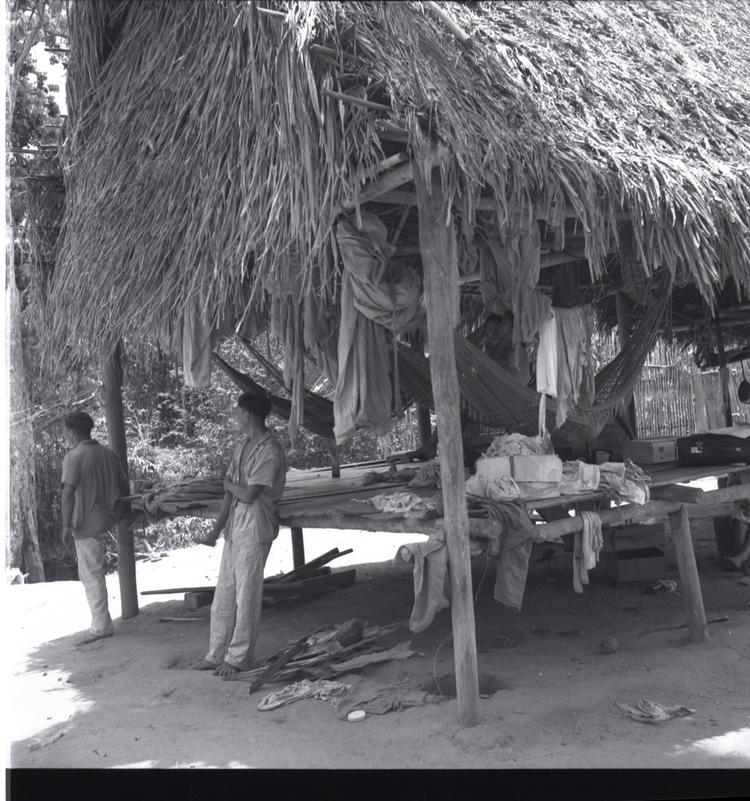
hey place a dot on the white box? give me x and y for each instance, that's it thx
(494, 467)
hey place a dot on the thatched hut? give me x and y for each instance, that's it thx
(494, 153)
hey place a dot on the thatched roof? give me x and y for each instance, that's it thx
(203, 151)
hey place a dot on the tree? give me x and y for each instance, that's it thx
(29, 107)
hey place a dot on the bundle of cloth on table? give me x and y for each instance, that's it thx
(162, 500)
(504, 470)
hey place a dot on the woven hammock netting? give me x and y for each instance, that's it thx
(493, 397)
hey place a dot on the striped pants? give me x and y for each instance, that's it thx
(90, 555)
(235, 611)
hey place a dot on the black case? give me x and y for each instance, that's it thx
(710, 449)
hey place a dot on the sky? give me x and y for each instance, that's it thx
(55, 73)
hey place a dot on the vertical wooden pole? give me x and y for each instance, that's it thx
(437, 242)
(723, 373)
(699, 399)
(112, 381)
(424, 424)
(691, 585)
(726, 395)
(298, 546)
(623, 333)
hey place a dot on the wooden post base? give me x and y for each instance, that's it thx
(298, 547)
(691, 585)
(126, 570)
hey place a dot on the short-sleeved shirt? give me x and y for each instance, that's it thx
(99, 481)
(264, 464)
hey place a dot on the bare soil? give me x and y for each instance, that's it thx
(130, 701)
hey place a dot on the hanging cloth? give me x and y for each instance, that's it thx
(575, 370)
(375, 295)
(586, 547)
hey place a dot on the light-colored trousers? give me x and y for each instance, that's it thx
(235, 611)
(90, 553)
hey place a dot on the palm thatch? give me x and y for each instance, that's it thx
(207, 148)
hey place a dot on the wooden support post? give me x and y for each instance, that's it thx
(112, 381)
(424, 424)
(298, 547)
(699, 399)
(691, 585)
(623, 333)
(441, 290)
(723, 373)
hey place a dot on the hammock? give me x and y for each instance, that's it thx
(492, 396)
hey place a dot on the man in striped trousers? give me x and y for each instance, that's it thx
(249, 519)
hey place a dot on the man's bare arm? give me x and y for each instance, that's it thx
(245, 494)
(219, 523)
(68, 504)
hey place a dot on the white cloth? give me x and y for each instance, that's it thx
(196, 349)
(236, 608)
(587, 544)
(546, 358)
(90, 554)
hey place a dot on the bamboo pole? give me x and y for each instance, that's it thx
(357, 101)
(441, 290)
(458, 32)
(691, 584)
(112, 385)
(623, 334)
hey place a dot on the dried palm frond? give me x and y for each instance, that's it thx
(200, 141)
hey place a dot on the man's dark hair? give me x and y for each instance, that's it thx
(256, 403)
(80, 422)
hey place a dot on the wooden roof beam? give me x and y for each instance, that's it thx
(405, 197)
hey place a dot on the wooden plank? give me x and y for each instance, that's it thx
(113, 408)
(311, 586)
(437, 240)
(689, 579)
(298, 546)
(711, 504)
(372, 191)
(675, 492)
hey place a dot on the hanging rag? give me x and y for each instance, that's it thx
(196, 347)
(509, 272)
(363, 388)
(586, 546)
(195, 336)
(546, 367)
(375, 295)
(575, 370)
(431, 580)
(511, 549)
(535, 309)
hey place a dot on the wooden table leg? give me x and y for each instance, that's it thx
(298, 547)
(691, 585)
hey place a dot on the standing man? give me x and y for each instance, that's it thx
(249, 518)
(93, 481)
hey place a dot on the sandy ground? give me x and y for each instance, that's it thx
(130, 701)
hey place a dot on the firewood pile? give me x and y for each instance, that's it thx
(327, 652)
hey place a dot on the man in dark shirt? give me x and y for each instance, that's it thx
(93, 481)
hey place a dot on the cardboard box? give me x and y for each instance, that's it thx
(650, 451)
(627, 567)
(545, 469)
(494, 467)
